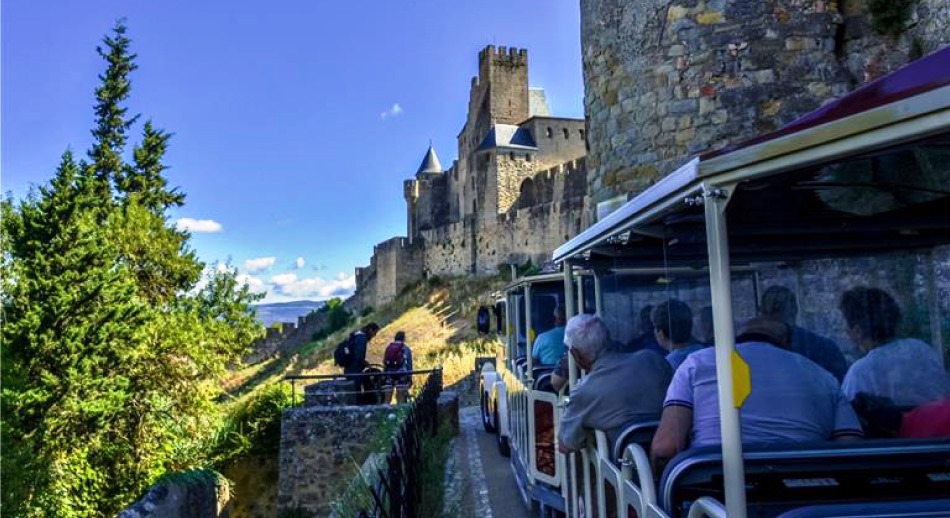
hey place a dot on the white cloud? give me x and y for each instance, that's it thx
(299, 263)
(284, 279)
(261, 263)
(198, 226)
(289, 285)
(255, 284)
(394, 111)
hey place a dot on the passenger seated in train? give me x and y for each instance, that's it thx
(792, 398)
(673, 328)
(704, 327)
(646, 339)
(882, 418)
(549, 346)
(905, 370)
(619, 387)
(780, 304)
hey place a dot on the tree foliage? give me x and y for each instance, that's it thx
(337, 317)
(111, 347)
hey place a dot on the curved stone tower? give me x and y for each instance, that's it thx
(667, 79)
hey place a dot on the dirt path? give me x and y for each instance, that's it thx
(489, 489)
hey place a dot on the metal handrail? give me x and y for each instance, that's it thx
(706, 506)
(355, 375)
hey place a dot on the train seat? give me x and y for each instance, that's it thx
(780, 478)
(926, 508)
(543, 383)
(639, 432)
(538, 370)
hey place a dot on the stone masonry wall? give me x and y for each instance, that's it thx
(529, 234)
(288, 336)
(318, 447)
(818, 285)
(869, 55)
(665, 80)
(668, 79)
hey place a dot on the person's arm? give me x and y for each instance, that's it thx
(559, 376)
(676, 422)
(847, 426)
(671, 436)
(572, 434)
(535, 348)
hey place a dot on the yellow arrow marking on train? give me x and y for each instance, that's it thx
(741, 380)
(531, 336)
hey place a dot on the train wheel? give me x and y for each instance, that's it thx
(486, 422)
(503, 447)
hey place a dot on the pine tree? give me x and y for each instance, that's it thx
(110, 353)
(112, 120)
(144, 180)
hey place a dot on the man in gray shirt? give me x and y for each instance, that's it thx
(618, 388)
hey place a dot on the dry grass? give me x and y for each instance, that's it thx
(419, 312)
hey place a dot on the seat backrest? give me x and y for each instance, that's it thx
(537, 371)
(636, 432)
(543, 383)
(926, 508)
(786, 477)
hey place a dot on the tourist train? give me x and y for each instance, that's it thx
(856, 193)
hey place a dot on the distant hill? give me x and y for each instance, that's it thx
(285, 311)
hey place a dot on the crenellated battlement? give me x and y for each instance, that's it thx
(504, 55)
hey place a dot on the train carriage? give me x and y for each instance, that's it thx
(856, 193)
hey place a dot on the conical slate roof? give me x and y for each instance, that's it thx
(430, 164)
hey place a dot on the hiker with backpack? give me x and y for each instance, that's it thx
(397, 358)
(351, 355)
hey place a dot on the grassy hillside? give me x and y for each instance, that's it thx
(438, 317)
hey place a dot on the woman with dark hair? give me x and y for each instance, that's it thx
(905, 370)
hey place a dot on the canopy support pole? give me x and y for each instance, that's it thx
(569, 311)
(715, 202)
(528, 332)
(598, 296)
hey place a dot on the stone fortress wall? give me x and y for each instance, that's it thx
(667, 79)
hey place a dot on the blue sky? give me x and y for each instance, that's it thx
(277, 109)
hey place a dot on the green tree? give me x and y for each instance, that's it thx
(111, 349)
(112, 120)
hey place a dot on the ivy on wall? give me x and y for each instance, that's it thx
(889, 17)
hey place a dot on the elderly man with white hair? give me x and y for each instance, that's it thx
(619, 387)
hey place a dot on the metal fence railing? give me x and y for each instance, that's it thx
(396, 489)
(366, 388)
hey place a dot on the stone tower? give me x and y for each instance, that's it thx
(499, 94)
(425, 196)
(668, 79)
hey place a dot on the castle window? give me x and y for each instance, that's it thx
(511, 156)
(527, 157)
(567, 134)
(550, 133)
(581, 132)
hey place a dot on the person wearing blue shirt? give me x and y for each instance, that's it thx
(673, 329)
(549, 346)
(779, 304)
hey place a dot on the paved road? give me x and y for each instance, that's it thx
(489, 483)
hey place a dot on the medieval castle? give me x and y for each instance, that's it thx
(664, 80)
(515, 192)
